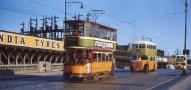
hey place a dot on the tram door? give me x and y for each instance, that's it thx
(81, 57)
(88, 61)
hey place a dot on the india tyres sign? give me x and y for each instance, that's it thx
(14, 39)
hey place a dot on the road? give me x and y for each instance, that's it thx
(122, 80)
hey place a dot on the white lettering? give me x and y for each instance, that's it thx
(103, 44)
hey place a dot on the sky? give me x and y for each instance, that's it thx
(160, 20)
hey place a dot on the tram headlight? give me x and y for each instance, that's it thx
(80, 75)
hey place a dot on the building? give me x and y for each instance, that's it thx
(123, 56)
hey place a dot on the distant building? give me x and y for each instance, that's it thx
(171, 60)
(160, 53)
(122, 55)
(161, 59)
(160, 56)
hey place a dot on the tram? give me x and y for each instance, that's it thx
(181, 63)
(90, 48)
(143, 56)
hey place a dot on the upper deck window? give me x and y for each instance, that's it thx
(135, 45)
(141, 45)
(151, 46)
(90, 29)
(102, 33)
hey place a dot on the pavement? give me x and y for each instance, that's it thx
(180, 82)
(28, 74)
(184, 84)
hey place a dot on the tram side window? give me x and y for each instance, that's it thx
(79, 56)
(109, 35)
(103, 57)
(95, 57)
(151, 46)
(141, 45)
(99, 57)
(70, 58)
(115, 36)
(135, 45)
(152, 58)
(95, 33)
(134, 57)
(144, 57)
(148, 46)
(154, 47)
(110, 57)
(103, 33)
(90, 32)
(107, 57)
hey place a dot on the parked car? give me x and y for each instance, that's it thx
(189, 64)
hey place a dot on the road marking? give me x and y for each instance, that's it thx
(163, 82)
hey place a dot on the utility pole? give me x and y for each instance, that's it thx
(65, 13)
(22, 27)
(185, 34)
(79, 16)
(65, 17)
(88, 16)
(43, 23)
(31, 26)
(185, 51)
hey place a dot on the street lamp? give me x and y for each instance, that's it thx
(185, 51)
(66, 7)
(65, 18)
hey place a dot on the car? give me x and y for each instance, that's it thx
(189, 64)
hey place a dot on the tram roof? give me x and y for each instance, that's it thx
(144, 42)
(101, 25)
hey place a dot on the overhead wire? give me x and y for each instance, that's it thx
(44, 5)
(155, 17)
(19, 11)
(48, 6)
(174, 4)
(131, 23)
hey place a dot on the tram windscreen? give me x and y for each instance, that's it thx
(77, 56)
(180, 59)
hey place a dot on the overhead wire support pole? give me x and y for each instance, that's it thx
(65, 17)
(185, 36)
(65, 13)
(66, 8)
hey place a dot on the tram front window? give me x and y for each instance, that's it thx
(144, 57)
(77, 56)
(142, 46)
(135, 45)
